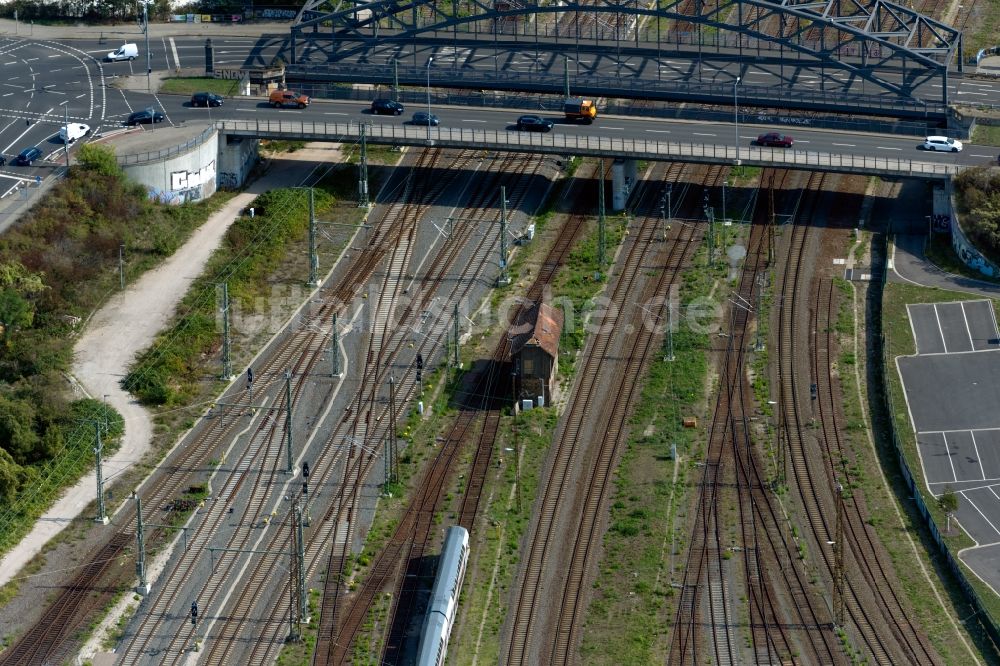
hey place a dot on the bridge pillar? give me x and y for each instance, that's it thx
(624, 175)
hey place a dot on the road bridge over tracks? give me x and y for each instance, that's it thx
(867, 56)
(591, 145)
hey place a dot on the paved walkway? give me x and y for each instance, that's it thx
(126, 325)
(908, 264)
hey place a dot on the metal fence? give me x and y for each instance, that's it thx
(157, 155)
(587, 144)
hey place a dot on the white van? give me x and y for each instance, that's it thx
(124, 52)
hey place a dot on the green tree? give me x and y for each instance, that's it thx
(948, 502)
(17, 431)
(99, 159)
(10, 478)
(15, 311)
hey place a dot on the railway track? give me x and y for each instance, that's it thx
(337, 524)
(571, 440)
(866, 559)
(412, 537)
(786, 617)
(263, 455)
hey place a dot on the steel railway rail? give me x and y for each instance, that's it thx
(867, 553)
(626, 388)
(304, 356)
(729, 446)
(250, 596)
(524, 619)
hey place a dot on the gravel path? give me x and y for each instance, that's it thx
(126, 325)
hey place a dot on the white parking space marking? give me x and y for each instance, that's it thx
(979, 458)
(988, 521)
(968, 330)
(951, 461)
(944, 342)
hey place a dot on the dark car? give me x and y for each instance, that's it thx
(144, 117)
(775, 139)
(27, 156)
(424, 118)
(206, 99)
(387, 107)
(534, 124)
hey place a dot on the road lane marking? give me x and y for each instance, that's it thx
(473, 121)
(886, 148)
(846, 145)
(334, 113)
(989, 156)
(701, 134)
(610, 128)
(659, 131)
(173, 47)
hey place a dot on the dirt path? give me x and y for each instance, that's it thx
(127, 324)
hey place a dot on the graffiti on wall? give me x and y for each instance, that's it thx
(183, 180)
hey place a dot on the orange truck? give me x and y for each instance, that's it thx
(580, 109)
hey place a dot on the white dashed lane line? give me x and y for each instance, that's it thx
(659, 131)
(701, 134)
(473, 121)
(620, 129)
(845, 145)
(887, 148)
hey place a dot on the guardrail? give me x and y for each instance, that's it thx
(157, 155)
(586, 144)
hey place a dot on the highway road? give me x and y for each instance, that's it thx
(45, 81)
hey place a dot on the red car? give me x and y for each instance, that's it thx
(775, 139)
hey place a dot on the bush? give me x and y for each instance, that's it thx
(977, 194)
(100, 159)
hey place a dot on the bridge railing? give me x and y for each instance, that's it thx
(584, 143)
(163, 153)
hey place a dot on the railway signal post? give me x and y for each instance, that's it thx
(102, 515)
(288, 419)
(140, 548)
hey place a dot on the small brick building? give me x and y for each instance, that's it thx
(535, 351)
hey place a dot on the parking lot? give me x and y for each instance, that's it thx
(953, 397)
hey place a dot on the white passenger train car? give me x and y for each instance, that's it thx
(444, 598)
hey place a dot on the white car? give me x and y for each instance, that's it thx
(942, 143)
(73, 131)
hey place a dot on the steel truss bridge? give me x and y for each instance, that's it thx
(870, 56)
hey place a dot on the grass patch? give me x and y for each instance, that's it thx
(484, 600)
(987, 135)
(280, 146)
(188, 85)
(628, 618)
(169, 373)
(300, 653)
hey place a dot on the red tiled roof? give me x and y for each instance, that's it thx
(540, 325)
